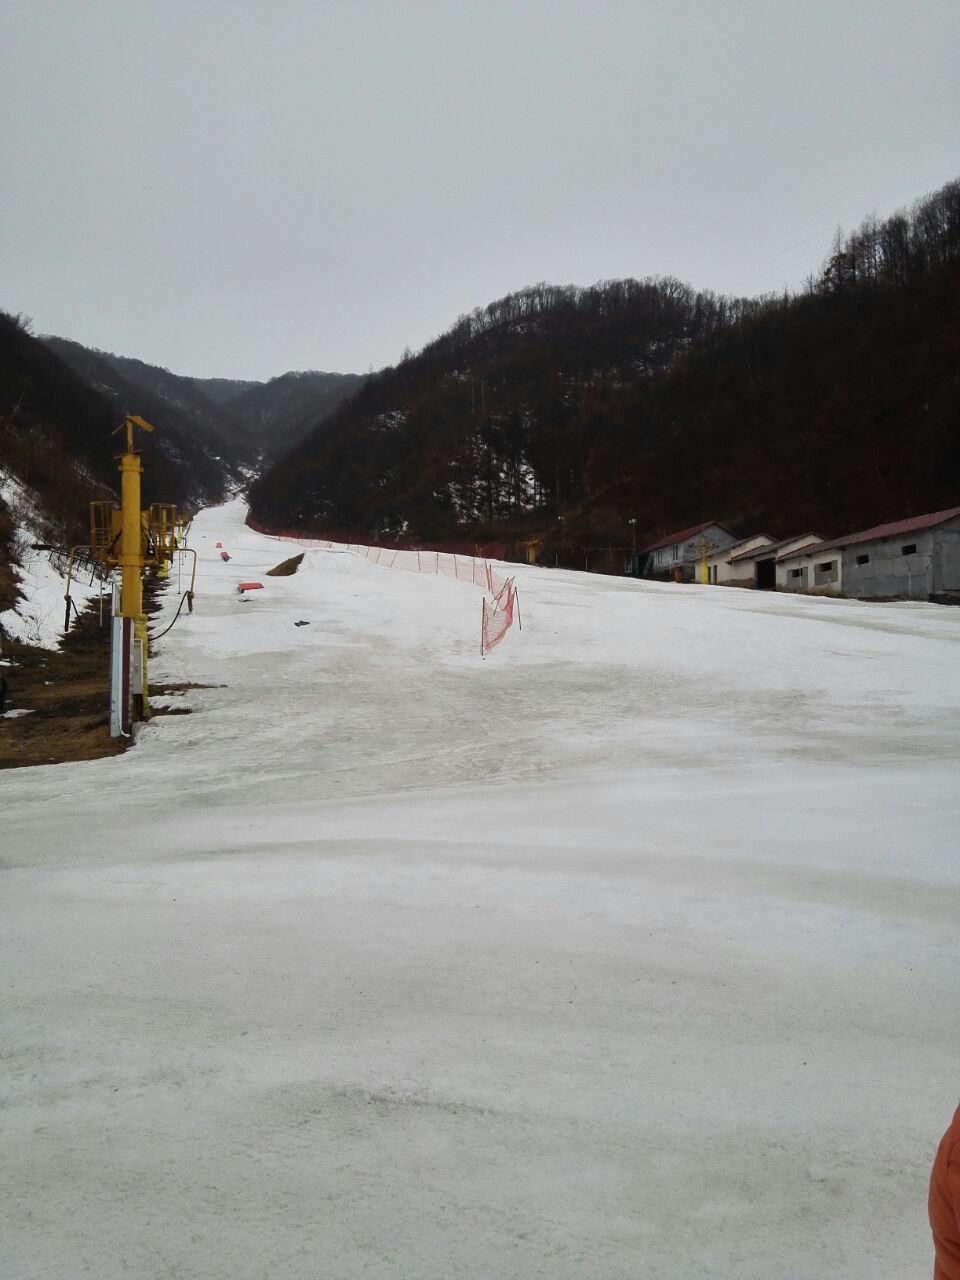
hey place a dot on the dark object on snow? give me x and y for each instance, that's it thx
(301, 624)
(3, 694)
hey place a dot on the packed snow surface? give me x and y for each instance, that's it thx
(629, 951)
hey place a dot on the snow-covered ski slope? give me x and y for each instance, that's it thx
(631, 951)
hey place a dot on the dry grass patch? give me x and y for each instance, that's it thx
(66, 693)
(8, 585)
(286, 568)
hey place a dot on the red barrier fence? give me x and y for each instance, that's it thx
(350, 538)
(497, 614)
(497, 618)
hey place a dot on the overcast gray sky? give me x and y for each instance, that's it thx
(240, 187)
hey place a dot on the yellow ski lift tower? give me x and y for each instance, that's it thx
(136, 542)
(162, 523)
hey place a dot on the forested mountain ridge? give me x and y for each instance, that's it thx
(223, 390)
(832, 409)
(169, 402)
(276, 415)
(241, 422)
(56, 435)
(61, 402)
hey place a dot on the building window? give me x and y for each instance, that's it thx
(863, 559)
(825, 572)
(676, 552)
(795, 573)
(909, 549)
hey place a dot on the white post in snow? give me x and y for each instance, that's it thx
(121, 643)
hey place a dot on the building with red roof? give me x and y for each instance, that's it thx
(677, 554)
(913, 559)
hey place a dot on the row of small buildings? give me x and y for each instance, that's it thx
(915, 559)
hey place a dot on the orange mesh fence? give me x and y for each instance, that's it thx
(498, 613)
(498, 617)
(346, 537)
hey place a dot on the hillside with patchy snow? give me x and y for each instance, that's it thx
(37, 616)
(628, 951)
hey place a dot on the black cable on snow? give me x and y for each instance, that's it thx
(161, 634)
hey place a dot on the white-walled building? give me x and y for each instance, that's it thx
(787, 548)
(815, 568)
(752, 562)
(759, 566)
(722, 569)
(678, 553)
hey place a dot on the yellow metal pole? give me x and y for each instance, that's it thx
(131, 560)
(131, 552)
(133, 540)
(163, 570)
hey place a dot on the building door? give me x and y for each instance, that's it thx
(766, 575)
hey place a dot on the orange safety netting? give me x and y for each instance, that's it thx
(498, 614)
(497, 617)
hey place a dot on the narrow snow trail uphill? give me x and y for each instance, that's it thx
(625, 952)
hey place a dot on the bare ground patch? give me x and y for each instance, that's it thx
(66, 692)
(286, 568)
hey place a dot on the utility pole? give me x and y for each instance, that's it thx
(132, 563)
(706, 549)
(133, 541)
